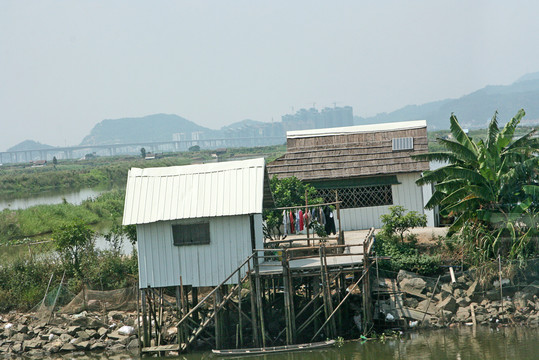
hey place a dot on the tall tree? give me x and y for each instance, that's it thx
(490, 185)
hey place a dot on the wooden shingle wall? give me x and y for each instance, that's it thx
(350, 155)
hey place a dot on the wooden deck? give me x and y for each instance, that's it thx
(354, 240)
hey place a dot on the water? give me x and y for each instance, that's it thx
(48, 198)
(485, 343)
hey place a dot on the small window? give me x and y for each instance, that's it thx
(406, 143)
(191, 234)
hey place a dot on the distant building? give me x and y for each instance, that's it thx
(305, 119)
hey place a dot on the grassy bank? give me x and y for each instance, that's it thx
(16, 225)
(20, 179)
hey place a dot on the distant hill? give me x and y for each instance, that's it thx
(158, 127)
(29, 145)
(473, 110)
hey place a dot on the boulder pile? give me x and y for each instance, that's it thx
(463, 302)
(22, 334)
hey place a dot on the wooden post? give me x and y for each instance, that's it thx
(216, 302)
(288, 300)
(306, 217)
(254, 325)
(340, 239)
(257, 281)
(146, 337)
(500, 275)
(259, 301)
(194, 298)
(240, 323)
(331, 328)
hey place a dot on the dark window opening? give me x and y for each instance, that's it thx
(191, 234)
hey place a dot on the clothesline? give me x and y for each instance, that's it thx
(305, 206)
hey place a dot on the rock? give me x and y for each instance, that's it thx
(133, 344)
(35, 353)
(464, 301)
(83, 335)
(66, 337)
(35, 343)
(81, 345)
(17, 348)
(92, 333)
(99, 345)
(448, 304)
(463, 314)
(117, 347)
(458, 293)
(413, 285)
(403, 274)
(21, 328)
(409, 301)
(448, 288)
(102, 331)
(126, 330)
(471, 290)
(20, 337)
(68, 347)
(57, 331)
(72, 330)
(116, 336)
(53, 347)
(116, 315)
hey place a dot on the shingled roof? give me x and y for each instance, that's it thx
(353, 151)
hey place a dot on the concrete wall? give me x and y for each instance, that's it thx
(161, 263)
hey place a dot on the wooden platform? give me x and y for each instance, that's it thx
(275, 267)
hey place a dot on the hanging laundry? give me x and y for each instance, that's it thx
(330, 222)
(292, 227)
(285, 222)
(300, 215)
(297, 221)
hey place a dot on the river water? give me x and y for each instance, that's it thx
(463, 343)
(48, 198)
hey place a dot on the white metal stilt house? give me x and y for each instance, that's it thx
(196, 223)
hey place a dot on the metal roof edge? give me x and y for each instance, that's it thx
(393, 126)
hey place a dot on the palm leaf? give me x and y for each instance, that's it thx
(506, 135)
(493, 131)
(437, 156)
(460, 135)
(460, 151)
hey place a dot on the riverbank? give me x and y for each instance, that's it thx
(28, 334)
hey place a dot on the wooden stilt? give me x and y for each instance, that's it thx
(194, 299)
(254, 325)
(259, 301)
(218, 335)
(240, 322)
(145, 337)
(288, 300)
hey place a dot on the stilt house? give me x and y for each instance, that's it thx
(368, 167)
(196, 223)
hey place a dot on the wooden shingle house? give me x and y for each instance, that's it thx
(196, 223)
(369, 168)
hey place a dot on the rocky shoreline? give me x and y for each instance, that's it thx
(420, 302)
(23, 335)
(415, 302)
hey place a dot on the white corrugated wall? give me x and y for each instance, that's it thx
(161, 263)
(406, 194)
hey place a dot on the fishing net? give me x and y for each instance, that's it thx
(95, 300)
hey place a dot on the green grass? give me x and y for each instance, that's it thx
(16, 225)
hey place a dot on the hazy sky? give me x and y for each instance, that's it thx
(66, 65)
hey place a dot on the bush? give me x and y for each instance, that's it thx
(405, 256)
(396, 222)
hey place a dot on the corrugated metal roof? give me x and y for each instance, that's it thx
(195, 191)
(403, 125)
